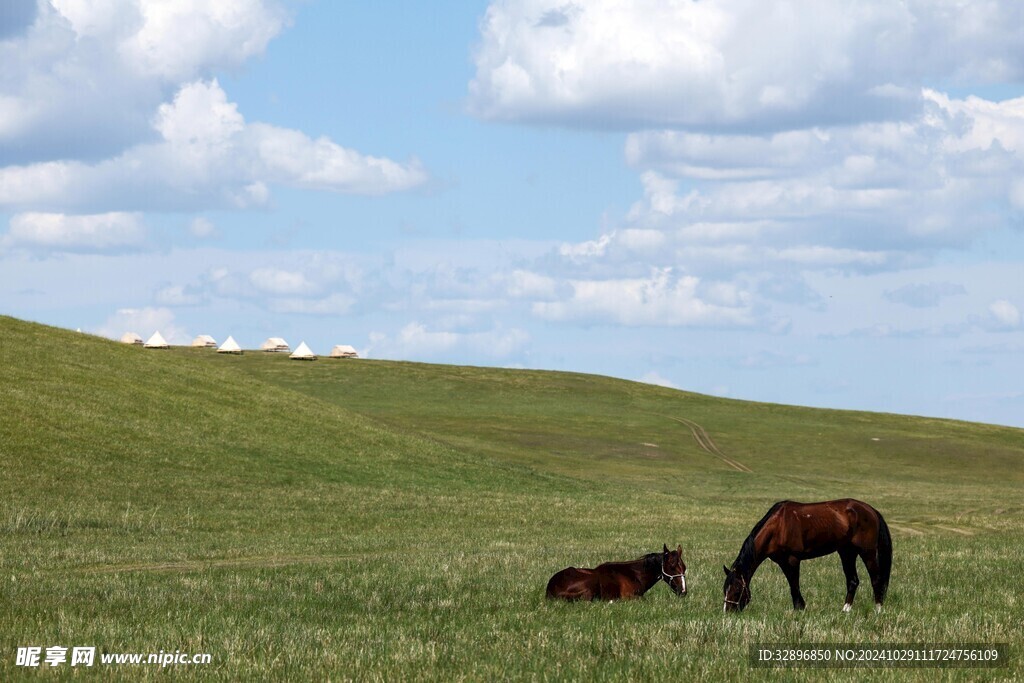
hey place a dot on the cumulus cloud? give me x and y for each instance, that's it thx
(207, 157)
(321, 284)
(69, 233)
(731, 64)
(1002, 315)
(660, 299)
(761, 360)
(654, 378)
(761, 210)
(524, 284)
(331, 305)
(277, 281)
(179, 295)
(417, 341)
(82, 79)
(202, 228)
(144, 321)
(772, 140)
(924, 295)
(900, 184)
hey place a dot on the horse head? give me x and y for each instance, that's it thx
(673, 569)
(736, 590)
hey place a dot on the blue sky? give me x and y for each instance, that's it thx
(738, 198)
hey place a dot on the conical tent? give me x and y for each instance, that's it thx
(303, 353)
(131, 338)
(204, 340)
(275, 344)
(157, 342)
(230, 346)
(343, 351)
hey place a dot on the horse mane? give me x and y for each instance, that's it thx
(648, 561)
(747, 553)
(651, 560)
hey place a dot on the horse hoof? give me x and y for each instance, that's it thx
(847, 607)
(878, 609)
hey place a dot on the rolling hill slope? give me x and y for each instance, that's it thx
(375, 519)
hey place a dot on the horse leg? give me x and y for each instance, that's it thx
(876, 577)
(791, 568)
(849, 558)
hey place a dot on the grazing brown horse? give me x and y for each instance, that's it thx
(791, 532)
(616, 580)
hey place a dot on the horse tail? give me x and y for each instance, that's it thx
(883, 554)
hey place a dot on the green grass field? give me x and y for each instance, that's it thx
(375, 520)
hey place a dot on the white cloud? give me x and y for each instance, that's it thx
(524, 284)
(331, 305)
(178, 295)
(732, 64)
(144, 321)
(761, 360)
(87, 122)
(791, 141)
(661, 299)
(875, 196)
(60, 232)
(657, 380)
(83, 81)
(416, 340)
(209, 157)
(1004, 315)
(202, 228)
(277, 281)
(727, 157)
(291, 158)
(924, 295)
(176, 40)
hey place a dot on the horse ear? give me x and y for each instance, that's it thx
(680, 551)
(725, 569)
(664, 548)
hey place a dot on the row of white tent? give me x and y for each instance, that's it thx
(272, 345)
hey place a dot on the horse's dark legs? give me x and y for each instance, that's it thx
(849, 558)
(791, 568)
(876, 577)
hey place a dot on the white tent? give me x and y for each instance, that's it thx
(204, 340)
(275, 344)
(157, 341)
(343, 351)
(131, 338)
(303, 353)
(230, 346)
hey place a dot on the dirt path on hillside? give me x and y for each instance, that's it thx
(705, 441)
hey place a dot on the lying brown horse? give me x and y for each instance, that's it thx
(616, 580)
(791, 532)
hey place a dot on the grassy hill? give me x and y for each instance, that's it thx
(383, 520)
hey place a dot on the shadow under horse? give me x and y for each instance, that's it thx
(792, 532)
(618, 580)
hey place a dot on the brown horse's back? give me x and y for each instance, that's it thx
(573, 583)
(815, 529)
